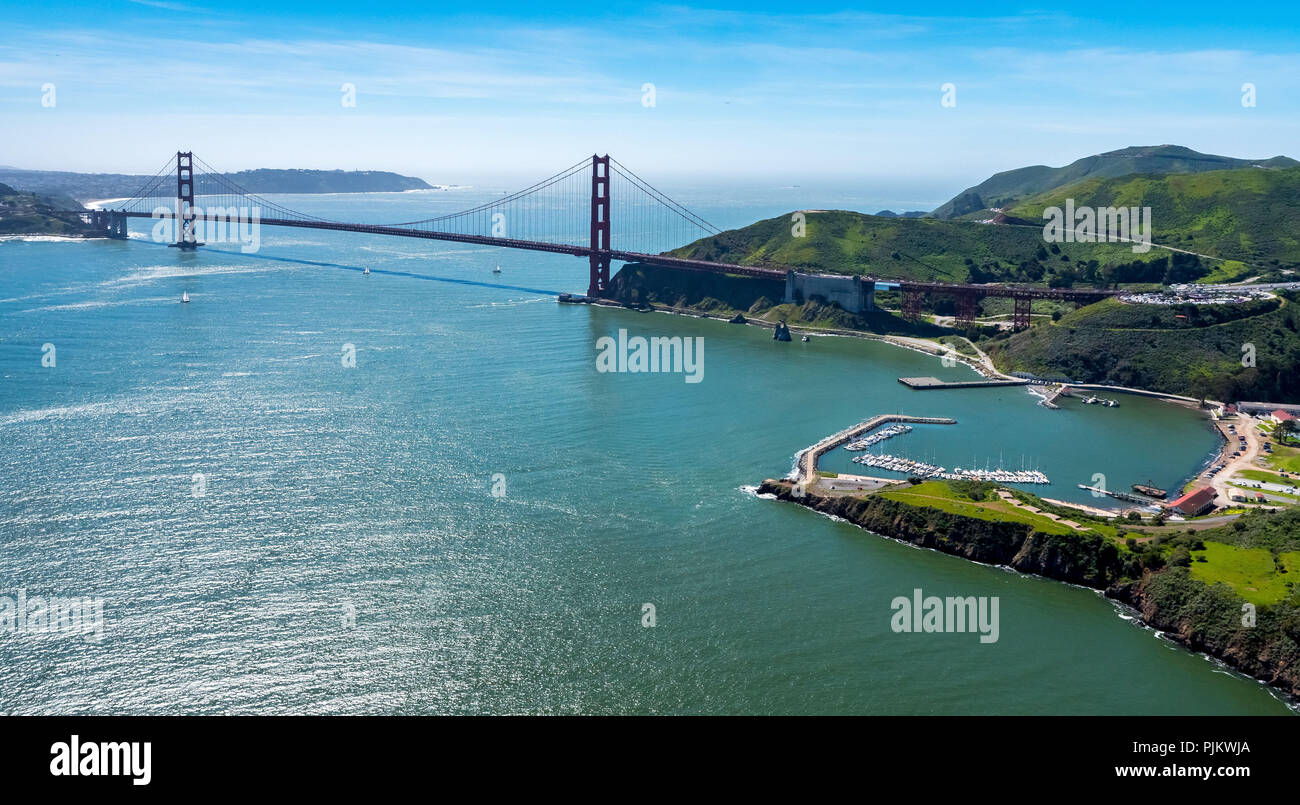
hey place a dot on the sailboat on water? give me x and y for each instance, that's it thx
(496, 270)
(185, 296)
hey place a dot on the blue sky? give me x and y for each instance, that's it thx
(778, 91)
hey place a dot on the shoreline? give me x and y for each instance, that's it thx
(877, 516)
(932, 349)
(915, 344)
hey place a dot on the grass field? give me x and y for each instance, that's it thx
(1251, 572)
(938, 495)
(1286, 459)
(1270, 477)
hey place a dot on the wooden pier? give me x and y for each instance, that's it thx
(1125, 496)
(926, 383)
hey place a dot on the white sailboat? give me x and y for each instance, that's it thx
(367, 271)
(185, 296)
(496, 270)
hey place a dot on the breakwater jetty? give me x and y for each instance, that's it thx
(926, 383)
(809, 456)
(878, 437)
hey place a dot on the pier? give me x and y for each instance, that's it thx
(1124, 496)
(926, 383)
(809, 457)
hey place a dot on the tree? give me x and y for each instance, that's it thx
(1286, 430)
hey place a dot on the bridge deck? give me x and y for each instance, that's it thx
(1010, 291)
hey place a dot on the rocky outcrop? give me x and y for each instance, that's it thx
(1214, 621)
(1203, 618)
(1077, 558)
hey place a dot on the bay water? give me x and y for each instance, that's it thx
(473, 519)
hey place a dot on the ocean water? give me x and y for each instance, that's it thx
(472, 519)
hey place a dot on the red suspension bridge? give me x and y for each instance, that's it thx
(584, 210)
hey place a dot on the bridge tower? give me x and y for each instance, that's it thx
(600, 247)
(185, 201)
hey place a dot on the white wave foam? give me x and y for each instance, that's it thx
(45, 239)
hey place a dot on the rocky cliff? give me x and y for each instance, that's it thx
(1202, 618)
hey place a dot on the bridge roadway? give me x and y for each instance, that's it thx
(1006, 291)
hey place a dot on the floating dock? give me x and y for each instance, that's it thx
(925, 383)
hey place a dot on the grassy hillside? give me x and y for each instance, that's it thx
(1149, 346)
(1007, 188)
(1246, 221)
(1249, 214)
(35, 214)
(754, 298)
(842, 242)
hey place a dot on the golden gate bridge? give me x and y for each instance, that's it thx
(596, 208)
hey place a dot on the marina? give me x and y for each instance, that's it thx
(878, 437)
(925, 469)
(806, 460)
(921, 469)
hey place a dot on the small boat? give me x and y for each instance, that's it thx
(185, 296)
(805, 339)
(367, 271)
(496, 270)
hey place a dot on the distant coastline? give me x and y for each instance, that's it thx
(88, 186)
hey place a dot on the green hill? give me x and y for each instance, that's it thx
(753, 297)
(1247, 214)
(1248, 218)
(1195, 350)
(35, 214)
(1006, 188)
(842, 242)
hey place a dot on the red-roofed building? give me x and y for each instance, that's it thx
(1194, 503)
(1279, 416)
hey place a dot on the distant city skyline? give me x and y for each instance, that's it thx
(766, 92)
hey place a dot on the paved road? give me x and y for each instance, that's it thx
(1246, 426)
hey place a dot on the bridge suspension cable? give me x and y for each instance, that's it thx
(219, 190)
(555, 214)
(153, 188)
